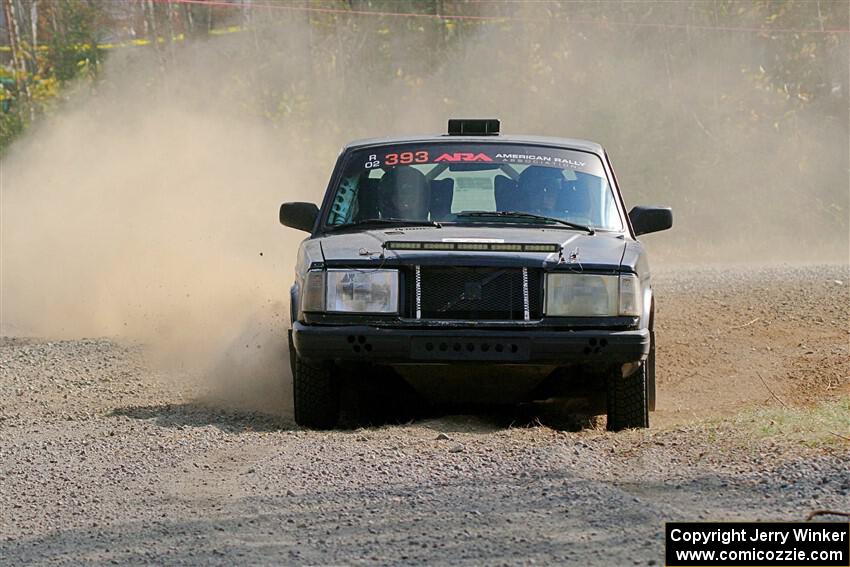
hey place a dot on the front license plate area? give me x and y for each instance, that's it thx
(465, 348)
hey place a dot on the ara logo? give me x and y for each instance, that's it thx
(461, 156)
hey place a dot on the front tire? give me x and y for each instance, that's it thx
(628, 405)
(650, 362)
(315, 393)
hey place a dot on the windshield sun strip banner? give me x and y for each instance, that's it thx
(473, 246)
(459, 154)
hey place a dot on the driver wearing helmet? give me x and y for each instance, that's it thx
(541, 188)
(404, 194)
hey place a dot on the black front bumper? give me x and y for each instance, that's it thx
(448, 345)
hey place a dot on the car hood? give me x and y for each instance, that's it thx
(602, 250)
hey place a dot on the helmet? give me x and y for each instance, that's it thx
(539, 186)
(404, 193)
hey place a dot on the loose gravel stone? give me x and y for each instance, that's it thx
(105, 460)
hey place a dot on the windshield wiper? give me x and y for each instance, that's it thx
(393, 221)
(523, 215)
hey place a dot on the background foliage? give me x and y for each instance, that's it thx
(707, 105)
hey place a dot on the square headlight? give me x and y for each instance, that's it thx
(592, 295)
(362, 291)
(581, 295)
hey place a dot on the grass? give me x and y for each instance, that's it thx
(824, 423)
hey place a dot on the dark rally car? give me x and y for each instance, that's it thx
(473, 250)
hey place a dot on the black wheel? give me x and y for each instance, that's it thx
(291, 352)
(315, 394)
(627, 400)
(650, 364)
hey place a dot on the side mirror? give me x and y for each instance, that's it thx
(650, 219)
(299, 215)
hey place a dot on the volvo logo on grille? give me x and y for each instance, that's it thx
(472, 290)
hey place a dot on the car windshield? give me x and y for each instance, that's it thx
(442, 181)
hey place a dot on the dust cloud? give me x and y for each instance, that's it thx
(152, 223)
(142, 214)
(146, 207)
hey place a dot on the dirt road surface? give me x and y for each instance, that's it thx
(106, 460)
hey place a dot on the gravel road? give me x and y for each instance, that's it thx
(104, 459)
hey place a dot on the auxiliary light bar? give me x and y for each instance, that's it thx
(473, 246)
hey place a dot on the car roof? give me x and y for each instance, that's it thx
(567, 143)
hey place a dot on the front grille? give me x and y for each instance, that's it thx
(477, 293)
